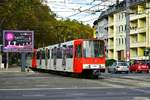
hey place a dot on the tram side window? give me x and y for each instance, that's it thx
(59, 52)
(54, 52)
(47, 53)
(38, 55)
(70, 51)
(78, 51)
(64, 50)
(98, 49)
(43, 54)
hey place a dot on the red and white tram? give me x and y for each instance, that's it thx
(81, 56)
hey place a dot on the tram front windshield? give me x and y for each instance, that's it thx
(93, 48)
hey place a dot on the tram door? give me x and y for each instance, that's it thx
(78, 56)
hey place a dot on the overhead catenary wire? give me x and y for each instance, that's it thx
(89, 20)
(80, 9)
(86, 9)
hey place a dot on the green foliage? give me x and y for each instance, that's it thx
(35, 15)
(109, 62)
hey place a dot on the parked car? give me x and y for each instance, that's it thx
(139, 66)
(148, 62)
(118, 66)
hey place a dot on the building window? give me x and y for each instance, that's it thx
(121, 28)
(122, 40)
(122, 15)
(119, 41)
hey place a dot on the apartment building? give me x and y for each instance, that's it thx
(115, 29)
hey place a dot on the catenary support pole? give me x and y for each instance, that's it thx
(127, 30)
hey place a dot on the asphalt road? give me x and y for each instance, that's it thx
(46, 86)
(77, 94)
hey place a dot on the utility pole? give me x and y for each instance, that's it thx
(148, 4)
(127, 15)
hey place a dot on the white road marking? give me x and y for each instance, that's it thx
(33, 95)
(141, 90)
(74, 88)
(141, 98)
(76, 94)
(42, 85)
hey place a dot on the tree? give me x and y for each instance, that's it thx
(37, 16)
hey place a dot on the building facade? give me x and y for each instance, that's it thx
(115, 29)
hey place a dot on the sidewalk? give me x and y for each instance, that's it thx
(13, 68)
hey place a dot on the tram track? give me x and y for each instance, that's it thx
(123, 81)
(145, 80)
(127, 82)
(136, 78)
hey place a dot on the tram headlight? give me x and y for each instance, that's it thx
(86, 66)
(102, 66)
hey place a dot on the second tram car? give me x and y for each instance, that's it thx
(81, 56)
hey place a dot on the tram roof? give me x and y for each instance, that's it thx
(67, 43)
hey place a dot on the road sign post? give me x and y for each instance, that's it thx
(23, 62)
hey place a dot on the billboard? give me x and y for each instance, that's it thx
(18, 41)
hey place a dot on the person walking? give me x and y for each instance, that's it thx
(4, 60)
(1, 60)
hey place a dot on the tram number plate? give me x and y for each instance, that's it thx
(94, 66)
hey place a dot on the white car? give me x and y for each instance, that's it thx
(118, 66)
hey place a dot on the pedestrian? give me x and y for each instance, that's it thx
(1, 60)
(4, 60)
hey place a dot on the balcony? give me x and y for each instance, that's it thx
(135, 30)
(134, 57)
(110, 46)
(110, 35)
(137, 44)
(142, 29)
(120, 47)
(110, 24)
(134, 17)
